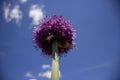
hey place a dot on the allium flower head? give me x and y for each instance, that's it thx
(54, 28)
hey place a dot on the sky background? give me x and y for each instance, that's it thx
(97, 52)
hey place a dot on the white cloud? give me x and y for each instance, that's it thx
(36, 14)
(6, 12)
(46, 66)
(16, 13)
(46, 74)
(23, 1)
(12, 14)
(33, 79)
(29, 75)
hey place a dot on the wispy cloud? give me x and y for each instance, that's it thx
(33, 79)
(44, 74)
(87, 69)
(95, 67)
(16, 13)
(46, 66)
(36, 13)
(29, 75)
(47, 74)
(23, 1)
(12, 13)
(6, 11)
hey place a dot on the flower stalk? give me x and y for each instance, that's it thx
(55, 61)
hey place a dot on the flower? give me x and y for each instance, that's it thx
(54, 28)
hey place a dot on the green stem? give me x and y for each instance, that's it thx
(55, 61)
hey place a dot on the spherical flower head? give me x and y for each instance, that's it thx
(54, 28)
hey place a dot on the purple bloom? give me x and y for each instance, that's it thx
(54, 28)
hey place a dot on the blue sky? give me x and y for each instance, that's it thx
(97, 24)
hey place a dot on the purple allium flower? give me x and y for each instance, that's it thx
(54, 28)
